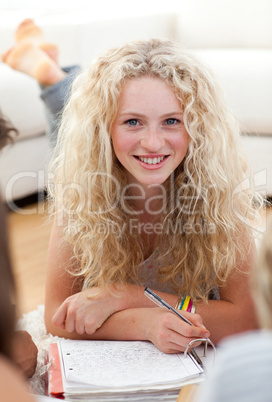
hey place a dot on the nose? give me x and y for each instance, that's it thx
(152, 140)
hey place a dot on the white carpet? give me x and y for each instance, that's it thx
(33, 323)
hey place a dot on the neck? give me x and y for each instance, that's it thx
(149, 199)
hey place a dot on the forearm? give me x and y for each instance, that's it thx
(129, 324)
(90, 306)
(126, 305)
(25, 352)
(164, 329)
(221, 317)
(123, 313)
(132, 296)
(224, 318)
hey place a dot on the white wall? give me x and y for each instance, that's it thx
(95, 9)
(213, 12)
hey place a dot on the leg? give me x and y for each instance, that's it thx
(36, 57)
(29, 32)
(31, 60)
(55, 97)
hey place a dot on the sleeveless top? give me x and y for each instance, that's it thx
(148, 275)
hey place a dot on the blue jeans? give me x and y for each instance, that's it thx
(55, 97)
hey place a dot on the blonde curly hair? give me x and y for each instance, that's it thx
(88, 176)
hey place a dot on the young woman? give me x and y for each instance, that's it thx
(147, 192)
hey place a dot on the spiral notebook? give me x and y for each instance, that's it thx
(117, 370)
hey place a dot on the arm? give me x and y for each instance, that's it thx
(55, 96)
(12, 385)
(82, 315)
(235, 312)
(127, 314)
(25, 352)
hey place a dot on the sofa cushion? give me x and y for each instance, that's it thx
(23, 167)
(225, 23)
(117, 32)
(20, 102)
(246, 77)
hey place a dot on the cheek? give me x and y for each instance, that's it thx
(115, 140)
(122, 144)
(118, 145)
(182, 143)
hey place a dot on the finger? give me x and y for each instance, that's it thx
(197, 332)
(189, 331)
(80, 328)
(173, 347)
(81, 321)
(180, 342)
(91, 325)
(170, 349)
(59, 317)
(195, 319)
(70, 322)
(69, 325)
(194, 345)
(169, 339)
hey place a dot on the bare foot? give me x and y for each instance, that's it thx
(29, 32)
(31, 60)
(51, 50)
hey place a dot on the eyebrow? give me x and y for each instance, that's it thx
(136, 114)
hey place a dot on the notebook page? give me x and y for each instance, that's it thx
(121, 364)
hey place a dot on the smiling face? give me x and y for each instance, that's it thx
(148, 134)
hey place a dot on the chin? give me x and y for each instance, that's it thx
(158, 182)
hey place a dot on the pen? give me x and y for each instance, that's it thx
(161, 303)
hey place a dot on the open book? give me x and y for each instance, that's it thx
(117, 370)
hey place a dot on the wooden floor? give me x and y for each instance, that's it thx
(29, 235)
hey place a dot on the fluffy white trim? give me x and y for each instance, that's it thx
(33, 322)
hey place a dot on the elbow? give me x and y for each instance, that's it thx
(50, 327)
(247, 321)
(54, 330)
(251, 324)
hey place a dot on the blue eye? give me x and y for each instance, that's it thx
(132, 122)
(171, 122)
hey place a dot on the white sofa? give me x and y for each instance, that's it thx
(236, 45)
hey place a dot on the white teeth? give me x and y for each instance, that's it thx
(151, 161)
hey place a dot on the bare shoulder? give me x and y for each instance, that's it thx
(60, 256)
(60, 282)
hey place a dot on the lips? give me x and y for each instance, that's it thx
(151, 161)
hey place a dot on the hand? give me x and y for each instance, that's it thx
(86, 311)
(171, 334)
(25, 352)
